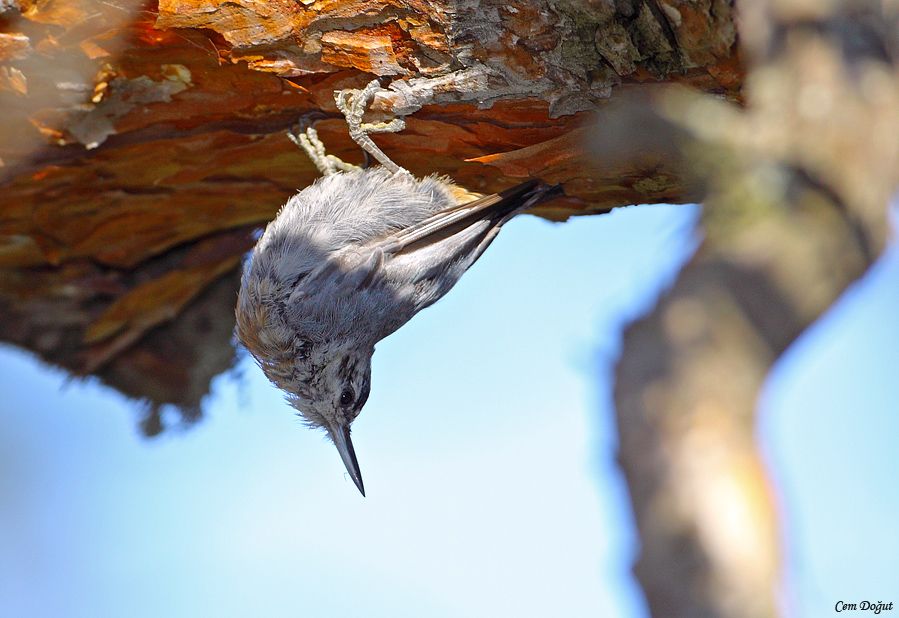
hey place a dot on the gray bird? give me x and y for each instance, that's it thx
(350, 259)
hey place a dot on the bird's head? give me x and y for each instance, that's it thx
(325, 379)
(331, 394)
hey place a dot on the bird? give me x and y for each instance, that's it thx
(350, 259)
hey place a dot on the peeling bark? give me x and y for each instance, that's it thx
(136, 132)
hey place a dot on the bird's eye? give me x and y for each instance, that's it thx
(346, 397)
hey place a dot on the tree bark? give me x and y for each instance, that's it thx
(145, 142)
(797, 190)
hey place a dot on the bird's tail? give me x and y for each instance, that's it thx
(523, 197)
(450, 241)
(496, 208)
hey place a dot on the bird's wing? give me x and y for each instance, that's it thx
(497, 207)
(351, 269)
(355, 268)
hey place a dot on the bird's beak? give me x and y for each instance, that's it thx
(344, 444)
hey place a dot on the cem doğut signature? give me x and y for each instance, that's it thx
(863, 606)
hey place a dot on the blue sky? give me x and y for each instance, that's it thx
(829, 423)
(487, 448)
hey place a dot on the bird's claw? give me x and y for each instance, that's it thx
(353, 104)
(309, 119)
(304, 135)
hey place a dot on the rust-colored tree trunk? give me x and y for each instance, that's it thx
(144, 142)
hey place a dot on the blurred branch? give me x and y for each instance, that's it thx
(797, 187)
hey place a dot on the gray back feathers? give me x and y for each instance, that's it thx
(346, 262)
(333, 213)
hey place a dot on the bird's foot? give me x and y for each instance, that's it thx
(305, 136)
(353, 103)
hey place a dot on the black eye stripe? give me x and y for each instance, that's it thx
(346, 370)
(363, 396)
